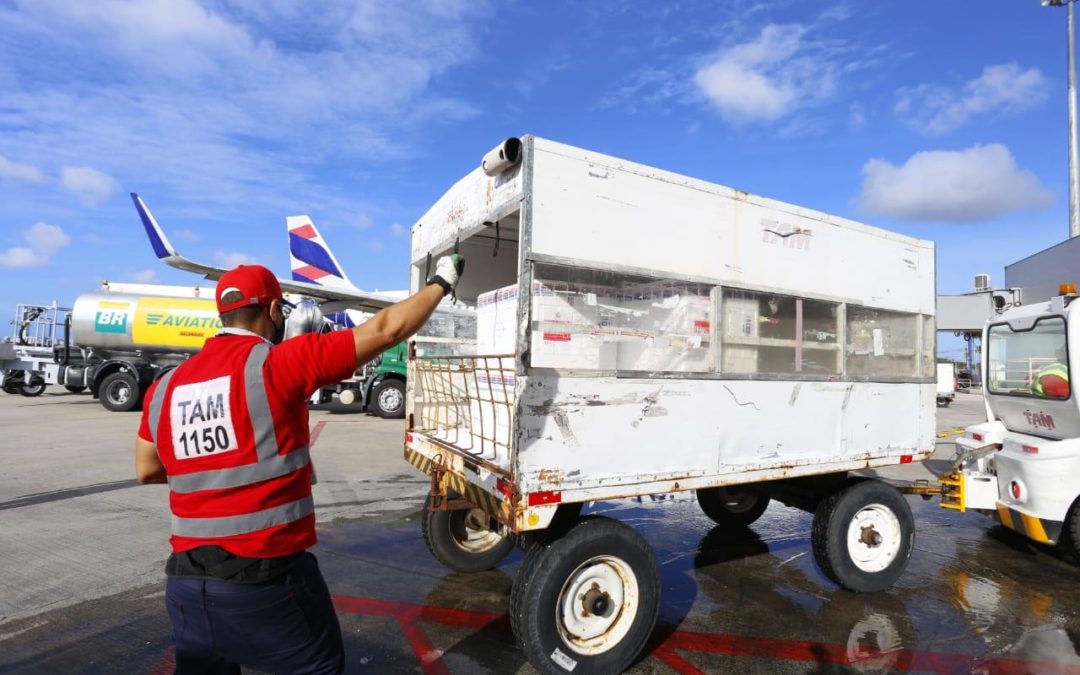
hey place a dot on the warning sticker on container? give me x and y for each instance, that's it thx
(557, 337)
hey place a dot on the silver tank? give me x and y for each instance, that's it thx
(125, 322)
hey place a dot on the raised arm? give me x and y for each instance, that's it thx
(401, 320)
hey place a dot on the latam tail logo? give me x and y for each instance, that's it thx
(310, 256)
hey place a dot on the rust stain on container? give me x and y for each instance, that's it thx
(551, 476)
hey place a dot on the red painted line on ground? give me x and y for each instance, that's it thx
(409, 615)
(315, 433)
(676, 662)
(166, 665)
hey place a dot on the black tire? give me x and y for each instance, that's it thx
(556, 571)
(463, 540)
(943, 402)
(1070, 539)
(388, 399)
(75, 389)
(35, 388)
(733, 507)
(876, 563)
(120, 392)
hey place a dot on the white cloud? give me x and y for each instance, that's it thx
(936, 109)
(978, 183)
(376, 246)
(231, 260)
(767, 78)
(44, 240)
(20, 172)
(247, 103)
(20, 256)
(91, 186)
(399, 231)
(856, 115)
(188, 235)
(363, 221)
(143, 276)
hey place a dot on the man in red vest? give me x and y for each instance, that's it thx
(228, 431)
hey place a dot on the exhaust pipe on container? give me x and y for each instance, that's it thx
(503, 156)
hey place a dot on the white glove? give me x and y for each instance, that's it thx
(448, 271)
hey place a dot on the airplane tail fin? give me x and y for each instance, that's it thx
(310, 256)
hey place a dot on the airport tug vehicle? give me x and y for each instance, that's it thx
(1022, 466)
(639, 332)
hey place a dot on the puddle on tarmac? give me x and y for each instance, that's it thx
(972, 592)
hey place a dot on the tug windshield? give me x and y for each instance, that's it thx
(1032, 362)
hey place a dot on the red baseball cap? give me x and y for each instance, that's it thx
(255, 283)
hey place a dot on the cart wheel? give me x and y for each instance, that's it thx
(75, 389)
(35, 388)
(586, 602)
(120, 392)
(389, 399)
(735, 507)
(863, 535)
(463, 540)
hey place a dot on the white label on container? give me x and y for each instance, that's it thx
(201, 419)
(879, 342)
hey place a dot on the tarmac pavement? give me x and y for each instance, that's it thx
(83, 549)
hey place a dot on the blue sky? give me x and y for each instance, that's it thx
(942, 120)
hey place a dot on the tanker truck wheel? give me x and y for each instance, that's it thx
(733, 506)
(586, 602)
(389, 399)
(35, 388)
(464, 540)
(12, 381)
(120, 392)
(863, 535)
(75, 389)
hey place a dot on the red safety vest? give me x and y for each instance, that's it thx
(238, 477)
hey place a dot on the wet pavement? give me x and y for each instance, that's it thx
(975, 598)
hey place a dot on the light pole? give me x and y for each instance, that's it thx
(1074, 158)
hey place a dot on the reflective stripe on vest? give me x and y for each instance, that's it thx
(156, 402)
(270, 464)
(227, 526)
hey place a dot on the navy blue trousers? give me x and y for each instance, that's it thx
(285, 626)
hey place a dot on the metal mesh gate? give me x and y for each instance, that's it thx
(466, 402)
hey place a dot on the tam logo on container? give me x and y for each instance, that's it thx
(110, 321)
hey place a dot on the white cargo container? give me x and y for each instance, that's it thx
(641, 332)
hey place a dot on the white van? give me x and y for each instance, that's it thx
(946, 384)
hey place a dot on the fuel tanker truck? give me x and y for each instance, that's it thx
(127, 339)
(117, 341)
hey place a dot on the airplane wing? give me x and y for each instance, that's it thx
(343, 297)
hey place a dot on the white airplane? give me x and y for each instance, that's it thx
(312, 262)
(317, 275)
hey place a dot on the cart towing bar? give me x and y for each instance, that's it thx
(950, 484)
